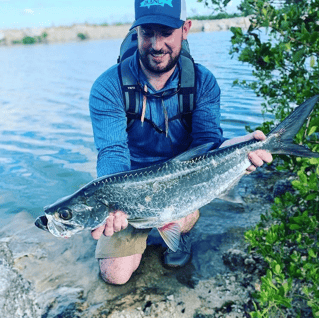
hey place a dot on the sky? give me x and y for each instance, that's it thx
(16, 14)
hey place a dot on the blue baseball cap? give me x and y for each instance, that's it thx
(171, 13)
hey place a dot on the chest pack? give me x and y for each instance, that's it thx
(132, 89)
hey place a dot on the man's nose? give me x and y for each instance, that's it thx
(157, 42)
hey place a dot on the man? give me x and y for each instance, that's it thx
(155, 137)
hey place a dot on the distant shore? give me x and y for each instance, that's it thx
(83, 32)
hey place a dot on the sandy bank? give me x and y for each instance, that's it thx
(80, 32)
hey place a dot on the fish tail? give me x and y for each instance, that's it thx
(287, 130)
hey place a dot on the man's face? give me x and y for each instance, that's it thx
(159, 47)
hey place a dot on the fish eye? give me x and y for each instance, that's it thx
(65, 213)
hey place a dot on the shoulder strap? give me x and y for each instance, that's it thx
(186, 95)
(130, 90)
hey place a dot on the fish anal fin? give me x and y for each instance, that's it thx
(171, 234)
(231, 193)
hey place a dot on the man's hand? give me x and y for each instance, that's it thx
(257, 157)
(116, 222)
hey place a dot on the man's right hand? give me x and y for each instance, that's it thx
(116, 222)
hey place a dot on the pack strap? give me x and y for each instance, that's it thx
(130, 88)
(186, 94)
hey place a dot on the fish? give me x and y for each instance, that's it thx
(158, 195)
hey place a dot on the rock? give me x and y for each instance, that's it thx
(17, 295)
(235, 259)
(281, 187)
(247, 263)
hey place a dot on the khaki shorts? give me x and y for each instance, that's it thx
(124, 243)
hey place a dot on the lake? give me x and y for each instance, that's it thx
(46, 143)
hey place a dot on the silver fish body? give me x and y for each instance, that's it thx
(157, 195)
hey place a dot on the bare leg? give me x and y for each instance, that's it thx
(188, 222)
(183, 254)
(119, 270)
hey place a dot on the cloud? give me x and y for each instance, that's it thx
(29, 11)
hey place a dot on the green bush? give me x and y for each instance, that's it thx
(82, 36)
(28, 40)
(282, 45)
(221, 15)
(32, 39)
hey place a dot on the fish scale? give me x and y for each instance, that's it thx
(163, 193)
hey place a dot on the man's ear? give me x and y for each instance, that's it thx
(186, 27)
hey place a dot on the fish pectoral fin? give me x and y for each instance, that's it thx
(171, 234)
(139, 222)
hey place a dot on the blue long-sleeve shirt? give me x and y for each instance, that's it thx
(121, 149)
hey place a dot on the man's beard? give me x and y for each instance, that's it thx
(157, 68)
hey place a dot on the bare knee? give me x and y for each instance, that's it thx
(118, 271)
(188, 222)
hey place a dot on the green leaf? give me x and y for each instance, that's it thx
(277, 269)
(314, 161)
(312, 254)
(312, 130)
(303, 177)
(311, 196)
(285, 302)
(288, 47)
(294, 226)
(298, 55)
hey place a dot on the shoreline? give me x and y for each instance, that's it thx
(84, 32)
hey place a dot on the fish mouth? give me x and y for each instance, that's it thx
(58, 229)
(42, 223)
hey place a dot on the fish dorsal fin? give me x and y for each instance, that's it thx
(195, 152)
(171, 234)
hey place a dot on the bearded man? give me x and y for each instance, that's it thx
(158, 131)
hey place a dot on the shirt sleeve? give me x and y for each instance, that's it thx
(206, 116)
(109, 124)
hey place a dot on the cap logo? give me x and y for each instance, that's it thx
(148, 3)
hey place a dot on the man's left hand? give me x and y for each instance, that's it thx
(258, 157)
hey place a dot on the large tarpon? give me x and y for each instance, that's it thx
(162, 193)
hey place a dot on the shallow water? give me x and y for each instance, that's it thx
(46, 144)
